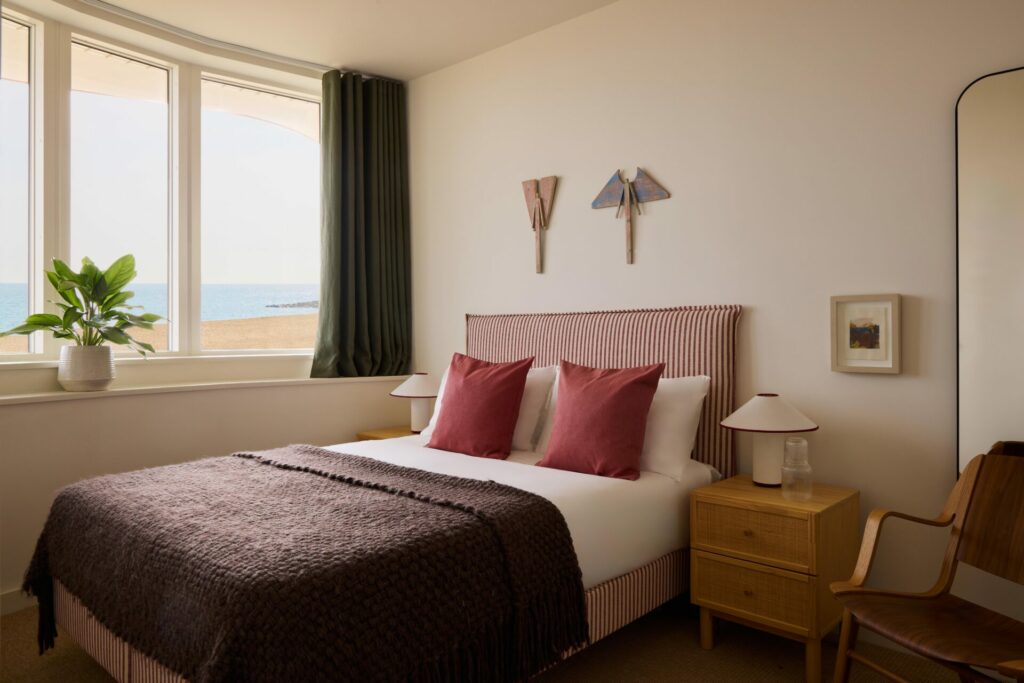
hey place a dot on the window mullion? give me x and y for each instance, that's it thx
(177, 234)
(189, 279)
(53, 178)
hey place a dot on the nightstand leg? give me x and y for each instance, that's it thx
(812, 660)
(707, 629)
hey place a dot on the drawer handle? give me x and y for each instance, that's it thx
(747, 592)
(748, 533)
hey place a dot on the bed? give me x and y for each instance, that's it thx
(632, 547)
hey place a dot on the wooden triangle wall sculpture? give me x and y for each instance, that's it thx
(540, 196)
(625, 194)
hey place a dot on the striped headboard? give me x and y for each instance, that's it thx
(690, 340)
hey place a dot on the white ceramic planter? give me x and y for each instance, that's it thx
(85, 368)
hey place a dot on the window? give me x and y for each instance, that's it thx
(120, 172)
(260, 218)
(210, 181)
(15, 180)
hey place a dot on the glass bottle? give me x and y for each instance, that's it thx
(796, 471)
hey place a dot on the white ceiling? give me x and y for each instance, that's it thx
(398, 38)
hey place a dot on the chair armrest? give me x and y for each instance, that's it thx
(1013, 669)
(872, 532)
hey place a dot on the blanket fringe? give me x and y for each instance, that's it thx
(39, 583)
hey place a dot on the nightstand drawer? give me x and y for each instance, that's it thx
(772, 537)
(765, 595)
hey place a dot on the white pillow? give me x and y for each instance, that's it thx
(549, 415)
(531, 409)
(671, 424)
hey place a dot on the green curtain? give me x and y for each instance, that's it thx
(365, 301)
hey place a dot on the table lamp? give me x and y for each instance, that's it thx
(420, 388)
(770, 418)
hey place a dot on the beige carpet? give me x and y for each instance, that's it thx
(660, 647)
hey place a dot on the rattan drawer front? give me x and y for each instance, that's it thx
(766, 595)
(769, 537)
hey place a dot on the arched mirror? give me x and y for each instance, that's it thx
(990, 262)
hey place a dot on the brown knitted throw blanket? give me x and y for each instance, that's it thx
(300, 564)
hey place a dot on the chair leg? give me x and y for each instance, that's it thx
(847, 640)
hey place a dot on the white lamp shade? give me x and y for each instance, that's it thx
(768, 413)
(419, 385)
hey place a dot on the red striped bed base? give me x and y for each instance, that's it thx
(690, 340)
(610, 606)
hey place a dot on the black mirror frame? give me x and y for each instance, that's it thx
(956, 200)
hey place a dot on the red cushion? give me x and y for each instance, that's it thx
(481, 406)
(600, 419)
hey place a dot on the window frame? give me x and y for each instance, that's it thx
(228, 78)
(50, 78)
(35, 291)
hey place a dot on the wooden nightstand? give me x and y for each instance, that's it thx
(767, 562)
(383, 433)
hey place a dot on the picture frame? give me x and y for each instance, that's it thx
(866, 333)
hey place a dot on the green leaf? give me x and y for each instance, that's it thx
(127, 320)
(91, 276)
(148, 347)
(120, 273)
(98, 291)
(67, 292)
(114, 335)
(143, 319)
(65, 272)
(116, 299)
(45, 319)
(26, 329)
(71, 316)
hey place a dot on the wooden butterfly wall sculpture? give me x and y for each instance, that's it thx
(625, 194)
(540, 195)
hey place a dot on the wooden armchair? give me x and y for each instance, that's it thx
(986, 514)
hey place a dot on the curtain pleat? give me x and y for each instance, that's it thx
(365, 322)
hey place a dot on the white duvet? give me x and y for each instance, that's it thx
(616, 525)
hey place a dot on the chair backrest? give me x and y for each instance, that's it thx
(991, 516)
(1007, 448)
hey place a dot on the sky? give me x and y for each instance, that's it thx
(260, 191)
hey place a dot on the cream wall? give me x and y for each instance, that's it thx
(44, 446)
(808, 147)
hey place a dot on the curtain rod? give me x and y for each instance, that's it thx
(221, 44)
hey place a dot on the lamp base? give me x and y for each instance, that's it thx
(419, 415)
(768, 451)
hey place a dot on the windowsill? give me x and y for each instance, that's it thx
(123, 360)
(34, 381)
(49, 396)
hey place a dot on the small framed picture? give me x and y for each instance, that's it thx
(866, 333)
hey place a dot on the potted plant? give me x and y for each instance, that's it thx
(95, 312)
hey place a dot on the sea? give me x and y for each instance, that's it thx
(219, 302)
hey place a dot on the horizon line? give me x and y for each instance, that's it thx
(22, 282)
